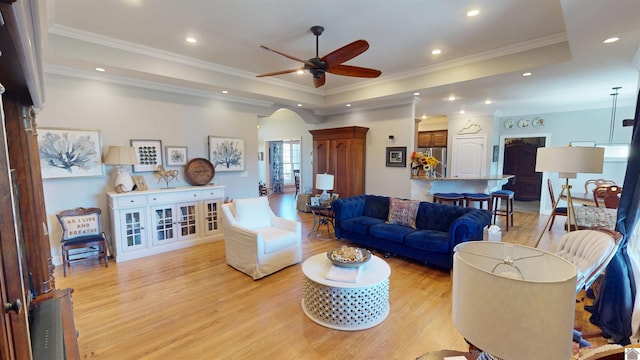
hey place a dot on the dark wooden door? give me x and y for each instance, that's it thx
(520, 160)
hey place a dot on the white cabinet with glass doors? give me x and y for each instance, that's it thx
(149, 222)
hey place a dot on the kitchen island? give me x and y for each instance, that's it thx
(423, 188)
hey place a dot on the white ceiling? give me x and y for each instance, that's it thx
(142, 42)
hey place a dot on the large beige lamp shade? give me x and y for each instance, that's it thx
(514, 302)
(122, 156)
(570, 160)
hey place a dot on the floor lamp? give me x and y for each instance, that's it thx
(568, 161)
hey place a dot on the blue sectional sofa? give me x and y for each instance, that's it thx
(439, 228)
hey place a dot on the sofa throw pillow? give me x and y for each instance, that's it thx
(75, 226)
(253, 213)
(403, 212)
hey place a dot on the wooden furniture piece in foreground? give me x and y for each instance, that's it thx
(342, 153)
(53, 331)
(444, 354)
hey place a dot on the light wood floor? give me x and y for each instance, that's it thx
(189, 304)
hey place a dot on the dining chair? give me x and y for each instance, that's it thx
(556, 211)
(609, 196)
(592, 184)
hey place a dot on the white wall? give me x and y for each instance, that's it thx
(397, 121)
(123, 113)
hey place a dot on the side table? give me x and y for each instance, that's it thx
(322, 215)
(344, 305)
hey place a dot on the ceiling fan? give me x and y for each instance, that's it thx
(330, 63)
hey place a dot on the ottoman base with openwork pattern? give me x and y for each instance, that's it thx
(344, 305)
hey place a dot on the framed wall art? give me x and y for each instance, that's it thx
(226, 154)
(397, 156)
(69, 153)
(149, 154)
(176, 155)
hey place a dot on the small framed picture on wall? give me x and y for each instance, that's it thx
(149, 154)
(176, 155)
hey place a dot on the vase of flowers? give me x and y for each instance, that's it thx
(421, 162)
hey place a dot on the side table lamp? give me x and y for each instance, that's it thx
(513, 301)
(324, 182)
(123, 156)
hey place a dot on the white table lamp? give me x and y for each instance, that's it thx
(514, 301)
(324, 182)
(122, 156)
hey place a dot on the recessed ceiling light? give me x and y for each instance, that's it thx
(611, 40)
(299, 105)
(300, 72)
(416, 93)
(461, 111)
(100, 69)
(473, 12)
(348, 105)
(436, 52)
(527, 74)
(424, 117)
(487, 102)
(225, 91)
(191, 40)
(451, 98)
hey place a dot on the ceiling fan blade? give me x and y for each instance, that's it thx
(287, 56)
(356, 71)
(319, 81)
(345, 53)
(279, 72)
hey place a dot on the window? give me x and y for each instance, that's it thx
(291, 159)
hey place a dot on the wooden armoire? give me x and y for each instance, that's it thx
(26, 269)
(342, 153)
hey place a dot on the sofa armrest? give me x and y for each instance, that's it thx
(468, 226)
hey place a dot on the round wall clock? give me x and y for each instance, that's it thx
(510, 124)
(199, 171)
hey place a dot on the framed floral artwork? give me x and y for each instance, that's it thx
(69, 153)
(176, 155)
(226, 154)
(149, 154)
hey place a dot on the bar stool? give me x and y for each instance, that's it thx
(508, 197)
(453, 198)
(471, 198)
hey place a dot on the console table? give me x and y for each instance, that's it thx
(343, 305)
(154, 221)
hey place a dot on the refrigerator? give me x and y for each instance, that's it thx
(439, 153)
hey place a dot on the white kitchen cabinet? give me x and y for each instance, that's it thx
(154, 221)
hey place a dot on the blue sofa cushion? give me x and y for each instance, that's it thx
(376, 206)
(360, 224)
(430, 240)
(391, 232)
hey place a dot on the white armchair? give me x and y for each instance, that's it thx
(256, 241)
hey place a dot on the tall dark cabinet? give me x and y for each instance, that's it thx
(26, 269)
(341, 152)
